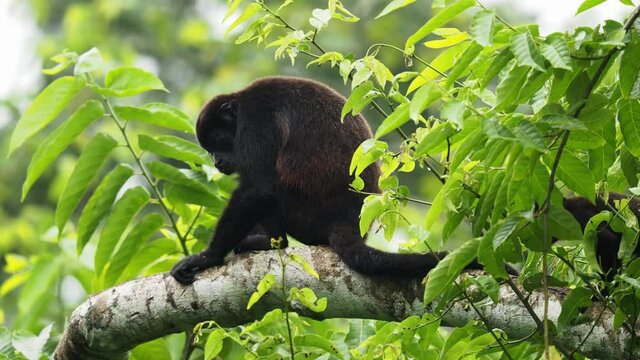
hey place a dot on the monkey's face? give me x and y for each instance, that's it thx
(216, 132)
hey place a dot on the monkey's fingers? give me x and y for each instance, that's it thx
(185, 271)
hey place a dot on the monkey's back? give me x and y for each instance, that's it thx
(316, 148)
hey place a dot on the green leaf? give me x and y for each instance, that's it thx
(59, 139)
(128, 81)
(556, 51)
(535, 81)
(393, 6)
(631, 281)
(332, 56)
(473, 142)
(489, 286)
(100, 202)
(574, 173)
(468, 56)
(629, 119)
(529, 136)
(87, 167)
(497, 65)
(396, 119)
(445, 273)
(425, 96)
(629, 165)
(562, 224)
(233, 5)
(176, 148)
(181, 194)
(588, 4)
(158, 114)
(483, 210)
(318, 342)
(490, 259)
(438, 66)
(246, 14)
(309, 299)
(437, 135)
(630, 70)
(35, 294)
(149, 254)
(357, 96)
(505, 230)
(509, 88)
(267, 282)
(495, 130)
(454, 111)
(564, 122)
(305, 265)
(214, 343)
(268, 318)
(437, 21)
(482, 27)
(169, 173)
(120, 216)
(590, 239)
(152, 350)
(373, 206)
(32, 347)
(134, 240)
(525, 51)
(447, 41)
(47, 105)
(576, 299)
(88, 62)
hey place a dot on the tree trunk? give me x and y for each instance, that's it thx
(111, 323)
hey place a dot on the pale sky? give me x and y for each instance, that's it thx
(19, 66)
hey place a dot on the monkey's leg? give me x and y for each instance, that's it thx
(270, 228)
(247, 206)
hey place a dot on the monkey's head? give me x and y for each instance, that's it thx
(216, 131)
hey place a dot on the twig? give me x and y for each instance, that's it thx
(145, 174)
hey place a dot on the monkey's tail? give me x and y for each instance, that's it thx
(346, 241)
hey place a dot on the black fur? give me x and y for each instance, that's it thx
(285, 139)
(608, 240)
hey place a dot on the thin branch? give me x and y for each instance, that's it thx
(595, 323)
(497, 16)
(154, 188)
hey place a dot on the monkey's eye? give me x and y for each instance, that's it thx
(225, 106)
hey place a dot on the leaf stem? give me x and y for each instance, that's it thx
(154, 187)
(283, 265)
(497, 16)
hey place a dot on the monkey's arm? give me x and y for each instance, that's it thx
(247, 206)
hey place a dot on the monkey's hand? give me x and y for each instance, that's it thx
(185, 271)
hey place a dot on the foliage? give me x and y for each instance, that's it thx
(522, 120)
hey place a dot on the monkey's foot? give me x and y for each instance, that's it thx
(185, 271)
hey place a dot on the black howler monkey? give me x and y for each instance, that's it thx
(284, 137)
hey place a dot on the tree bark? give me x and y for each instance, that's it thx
(114, 321)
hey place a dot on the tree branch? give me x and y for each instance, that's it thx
(114, 321)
